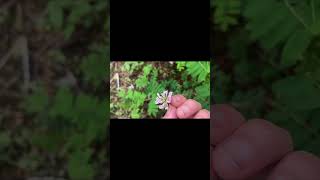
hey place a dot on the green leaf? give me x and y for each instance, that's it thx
(286, 25)
(85, 103)
(55, 13)
(63, 102)
(152, 107)
(315, 119)
(138, 98)
(297, 92)
(77, 141)
(5, 140)
(79, 10)
(79, 167)
(315, 27)
(181, 65)
(141, 82)
(295, 47)
(226, 13)
(48, 141)
(203, 95)
(94, 67)
(135, 114)
(147, 69)
(198, 70)
(37, 101)
(122, 93)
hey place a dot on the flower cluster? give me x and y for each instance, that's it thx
(164, 99)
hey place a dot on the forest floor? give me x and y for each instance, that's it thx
(33, 55)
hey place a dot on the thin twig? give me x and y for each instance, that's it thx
(25, 62)
(118, 80)
(6, 57)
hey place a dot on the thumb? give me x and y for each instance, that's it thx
(171, 113)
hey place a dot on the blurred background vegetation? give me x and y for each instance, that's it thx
(134, 86)
(53, 71)
(267, 63)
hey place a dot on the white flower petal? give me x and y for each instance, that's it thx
(165, 93)
(158, 100)
(164, 99)
(165, 106)
(162, 106)
(169, 97)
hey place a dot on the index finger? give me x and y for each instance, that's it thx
(171, 113)
(224, 122)
(178, 100)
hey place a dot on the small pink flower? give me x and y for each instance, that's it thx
(163, 100)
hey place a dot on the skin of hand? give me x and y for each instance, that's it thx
(255, 150)
(182, 108)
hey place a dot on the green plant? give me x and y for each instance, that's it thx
(188, 78)
(71, 124)
(268, 66)
(131, 102)
(226, 12)
(291, 26)
(131, 66)
(67, 15)
(93, 66)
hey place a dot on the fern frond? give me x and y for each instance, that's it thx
(226, 13)
(199, 70)
(203, 95)
(284, 23)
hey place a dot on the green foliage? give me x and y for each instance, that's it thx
(140, 102)
(67, 15)
(38, 101)
(5, 140)
(226, 12)
(94, 66)
(131, 102)
(181, 65)
(73, 123)
(131, 66)
(268, 66)
(79, 166)
(297, 92)
(142, 81)
(199, 70)
(58, 127)
(289, 26)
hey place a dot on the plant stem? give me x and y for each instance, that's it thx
(313, 11)
(295, 14)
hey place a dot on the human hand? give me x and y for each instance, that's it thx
(182, 108)
(255, 150)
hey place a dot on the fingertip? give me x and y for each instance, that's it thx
(202, 114)
(178, 100)
(297, 165)
(171, 113)
(188, 109)
(224, 122)
(247, 151)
